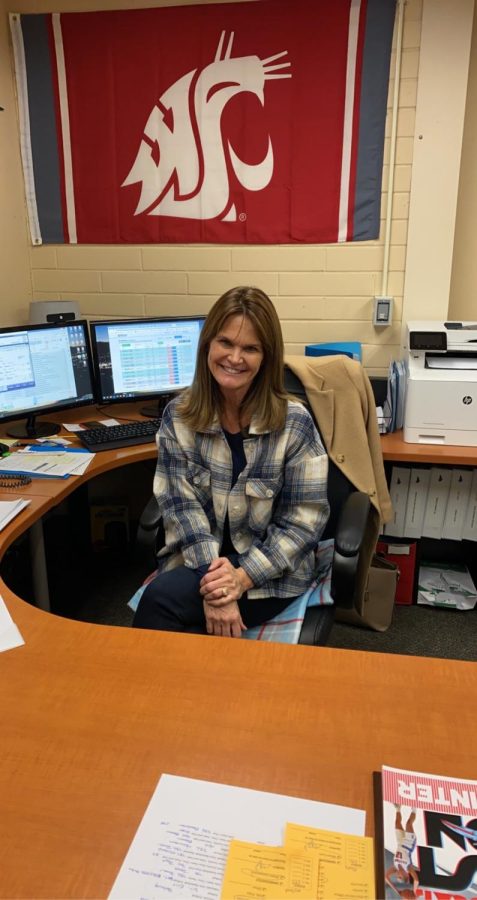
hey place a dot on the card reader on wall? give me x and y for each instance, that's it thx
(383, 311)
(441, 392)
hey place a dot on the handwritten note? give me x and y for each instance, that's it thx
(346, 861)
(180, 848)
(188, 861)
(269, 873)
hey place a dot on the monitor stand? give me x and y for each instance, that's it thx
(32, 429)
(154, 410)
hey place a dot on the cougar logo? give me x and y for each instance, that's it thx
(181, 163)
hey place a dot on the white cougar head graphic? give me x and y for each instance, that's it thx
(181, 162)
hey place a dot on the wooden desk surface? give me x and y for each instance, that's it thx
(54, 490)
(396, 449)
(91, 715)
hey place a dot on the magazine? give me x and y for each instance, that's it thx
(429, 830)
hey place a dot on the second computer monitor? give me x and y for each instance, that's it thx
(144, 358)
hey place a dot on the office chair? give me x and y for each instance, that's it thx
(348, 524)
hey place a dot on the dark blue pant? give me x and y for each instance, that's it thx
(172, 602)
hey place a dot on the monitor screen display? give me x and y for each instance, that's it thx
(142, 358)
(43, 368)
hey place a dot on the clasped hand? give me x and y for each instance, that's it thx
(221, 588)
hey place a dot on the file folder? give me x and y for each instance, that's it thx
(416, 502)
(398, 490)
(457, 504)
(469, 531)
(439, 486)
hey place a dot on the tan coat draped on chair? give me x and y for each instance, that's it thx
(341, 397)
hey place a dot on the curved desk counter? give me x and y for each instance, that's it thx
(52, 491)
(91, 716)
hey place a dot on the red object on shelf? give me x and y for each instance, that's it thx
(403, 554)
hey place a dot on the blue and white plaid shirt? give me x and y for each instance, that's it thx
(277, 508)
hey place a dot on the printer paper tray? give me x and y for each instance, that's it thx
(451, 362)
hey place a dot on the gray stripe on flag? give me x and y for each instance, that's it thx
(374, 92)
(44, 146)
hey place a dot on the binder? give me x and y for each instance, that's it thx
(416, 502)
(457, 504)
(469, 530)
(439, 486)
(398, 490)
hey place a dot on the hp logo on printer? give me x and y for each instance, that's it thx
(467, 400)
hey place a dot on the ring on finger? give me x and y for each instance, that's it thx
(225, 591)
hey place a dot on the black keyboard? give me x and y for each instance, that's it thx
(113, 437)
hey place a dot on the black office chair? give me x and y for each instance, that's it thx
(347, 524)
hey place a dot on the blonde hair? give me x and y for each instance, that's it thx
(266, 398)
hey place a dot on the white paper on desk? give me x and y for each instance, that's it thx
(10, 636)
(52, 463)
(84, 459)
(77, 427)
(72, 463)
(9, 509)
(181, 845)
(57, 441)
(27, 463)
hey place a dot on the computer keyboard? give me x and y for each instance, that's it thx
(113, 437)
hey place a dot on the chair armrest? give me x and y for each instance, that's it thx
(317, 625)
(352, 523)
(150, 516)
(350, 534)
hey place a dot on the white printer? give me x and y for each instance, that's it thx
(441, 391)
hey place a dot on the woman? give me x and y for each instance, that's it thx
(240, 482)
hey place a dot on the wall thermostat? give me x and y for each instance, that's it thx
(383, 311)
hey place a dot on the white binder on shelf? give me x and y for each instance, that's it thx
(469, 530)
(416, 502)
(439, 486)
(457, 503)
(398, 490)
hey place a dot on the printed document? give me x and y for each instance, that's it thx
(313, 863)
(346, 861)
(181, 846)
(43, 463)
(258, 872)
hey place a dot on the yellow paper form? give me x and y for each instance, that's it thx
(346, 862)
(257, 872)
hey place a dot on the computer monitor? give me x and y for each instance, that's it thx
(43, 368)
(144, 358)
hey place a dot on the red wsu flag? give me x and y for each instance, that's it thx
(256, 122)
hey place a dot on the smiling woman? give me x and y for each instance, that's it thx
(240, 482)
(234, 359)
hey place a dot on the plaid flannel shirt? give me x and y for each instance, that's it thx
(277, 509)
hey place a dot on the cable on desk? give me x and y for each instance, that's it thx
(106, 408)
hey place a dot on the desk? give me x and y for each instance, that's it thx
(91, 716)
(53, 491)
